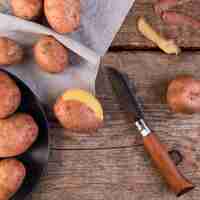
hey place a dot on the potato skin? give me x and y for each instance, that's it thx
(26, 9)
(17, 134)
(10, 96)
(10, 52)
(63, 15)
(51, 55)
(76, 116)
(183, 95)
(12, 174)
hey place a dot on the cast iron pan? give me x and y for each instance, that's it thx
(36, 158)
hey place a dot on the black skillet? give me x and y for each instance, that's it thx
(36, 158)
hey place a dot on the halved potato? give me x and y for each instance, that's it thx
(78, 110)
(10, 52)
(10, 96)
(63, 15)
(12, 174)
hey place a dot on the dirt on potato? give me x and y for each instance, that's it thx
(51, 55)
(10, 52)
(63, 15)
(12, 174)
(10, 96)
(17, 134)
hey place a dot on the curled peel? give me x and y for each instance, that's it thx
(168, 46)
(86, 98)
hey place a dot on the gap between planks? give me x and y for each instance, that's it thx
(130, 48)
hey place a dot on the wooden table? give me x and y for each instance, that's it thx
(112, 164)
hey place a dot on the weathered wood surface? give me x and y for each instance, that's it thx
(129, 37)
(112, 164)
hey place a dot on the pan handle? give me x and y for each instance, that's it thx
(176, 181)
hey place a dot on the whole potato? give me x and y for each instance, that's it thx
(10, 52)
(17, 134)
(78, 110)
(10, 96)
(51, 55)
(183, 95)
(12, 174)
(27, 9)
(63, 15)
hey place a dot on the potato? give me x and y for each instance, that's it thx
(12, 174)
(183, 95)
(17, 134)
(27, 9)
(51, 55)
(10, 96)
(78, 110)
(63, 15)
(10, 52)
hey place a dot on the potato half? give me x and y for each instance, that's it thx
(51, 55)
(63, 15)
(183, 95)
(12, 174)
(10, 96)
(78, 110)
(27, 9)
(17, 134)
(10, 52)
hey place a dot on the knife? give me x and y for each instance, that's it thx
(129, 100)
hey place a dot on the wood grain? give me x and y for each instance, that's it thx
(151, 71)
(112, 164)
(170, 173)
(107, 174)
(129, 37)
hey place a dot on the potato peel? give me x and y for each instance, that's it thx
(179, 19)
(167, 45)
(164, 5)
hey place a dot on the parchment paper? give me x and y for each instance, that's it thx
(100, 21)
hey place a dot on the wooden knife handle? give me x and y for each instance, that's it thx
(166, 166)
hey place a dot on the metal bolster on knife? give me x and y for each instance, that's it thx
(142, 127)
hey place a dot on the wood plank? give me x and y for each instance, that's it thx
(129, 37)
(112, 164)
(109, 174)
(151, 71)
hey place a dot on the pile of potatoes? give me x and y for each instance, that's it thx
(75, 109)
(51, 56)
(18, 131)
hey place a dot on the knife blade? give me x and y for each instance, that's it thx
(128, 99)
(130, 102)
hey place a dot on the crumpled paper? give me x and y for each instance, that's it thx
(100, 21)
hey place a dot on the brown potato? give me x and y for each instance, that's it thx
(27, 9)
(51, 55)
(12, 174)
(183, 95)
(10, 96)
(63, 15)
(10, 52)
(78, 110)
(17, 134)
